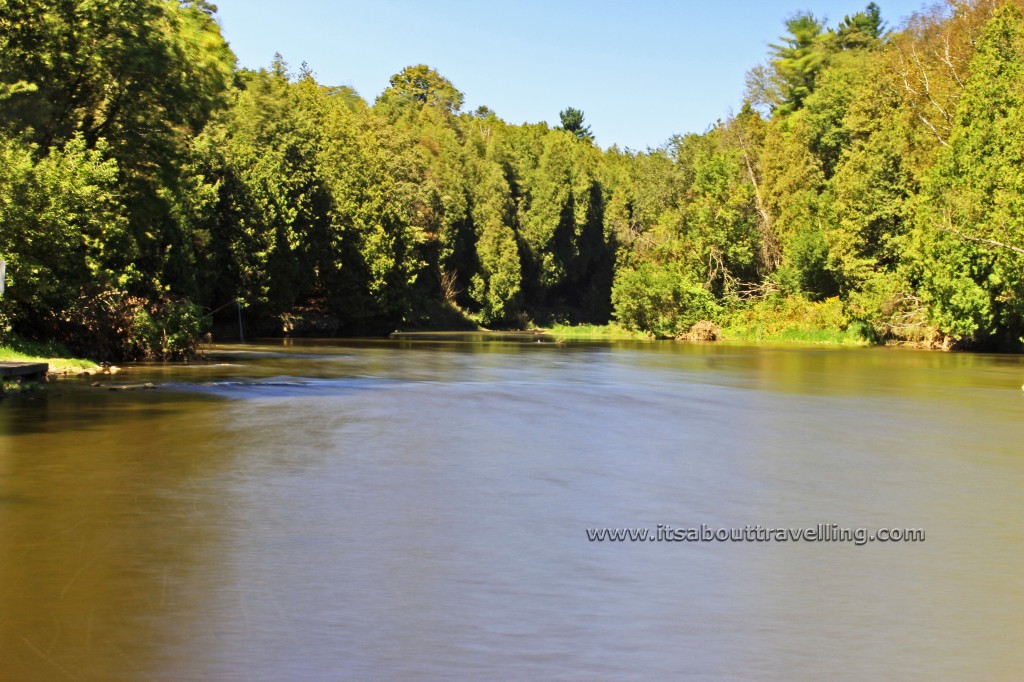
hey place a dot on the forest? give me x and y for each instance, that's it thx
(870, 187)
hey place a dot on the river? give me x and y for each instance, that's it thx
(404, 510)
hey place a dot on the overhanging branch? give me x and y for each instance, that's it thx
(982, 240)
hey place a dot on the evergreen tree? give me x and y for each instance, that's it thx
(572, 121)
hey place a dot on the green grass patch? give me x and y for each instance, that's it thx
(55, 354)
(844, 337)
(434, 316)
(783, 321)
(603, 332)
(793, 319)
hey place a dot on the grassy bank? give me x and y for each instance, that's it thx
(796, 334)
(596, 332)
(775, 320)
(754, 333)
(793, 319)
(55, 354)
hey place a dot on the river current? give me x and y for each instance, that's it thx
(405, 510)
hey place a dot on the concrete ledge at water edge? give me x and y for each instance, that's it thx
(23, 370)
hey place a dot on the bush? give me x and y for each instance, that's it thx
(660, 300)
(888, 307)
(793, 318)
(112, 325)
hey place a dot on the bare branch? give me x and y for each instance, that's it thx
(932, 128)
(632, 232)
(948, 61)
(748, 291)
(716, 267)
(448, 280)
(905, 74)
(927, 86)
(770, 252)
(920, 67)
(981, 240)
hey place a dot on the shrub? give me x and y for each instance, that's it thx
(793, 318)
(660, 300)
(112, 325)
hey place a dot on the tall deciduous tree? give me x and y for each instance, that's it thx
(424, 87)
(972, 229)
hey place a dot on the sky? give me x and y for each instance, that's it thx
(641, 71)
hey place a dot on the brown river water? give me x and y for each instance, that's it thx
(418, 510)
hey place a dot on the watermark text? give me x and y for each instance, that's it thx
(822, 532)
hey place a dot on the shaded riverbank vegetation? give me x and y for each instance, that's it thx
(871, 187)
(57, 356)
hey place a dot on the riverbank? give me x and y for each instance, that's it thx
(797, 335)
(54, 354)
(775, 320)
(596, 332)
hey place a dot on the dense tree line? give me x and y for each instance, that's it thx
(872, 181)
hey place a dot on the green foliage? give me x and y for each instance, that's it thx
(808, 269)
(269, 194)
(719, 234)
(805, 54)
(970, 233)
(111, 325)
(862, 30)
(497, 286)
(421, 86)
(792, 177)
(872, 192)
(572, 122)
(562, 224)
(798, 60)
(62, 227)
(100, 102)
(664, 301)
(871, 186)
(792, 318)
(604, 332)
(886, 304)
(828, 136)
(131, 71)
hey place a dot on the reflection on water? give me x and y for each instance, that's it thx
(417, 510)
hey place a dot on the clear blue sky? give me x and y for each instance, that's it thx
(641, 70)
